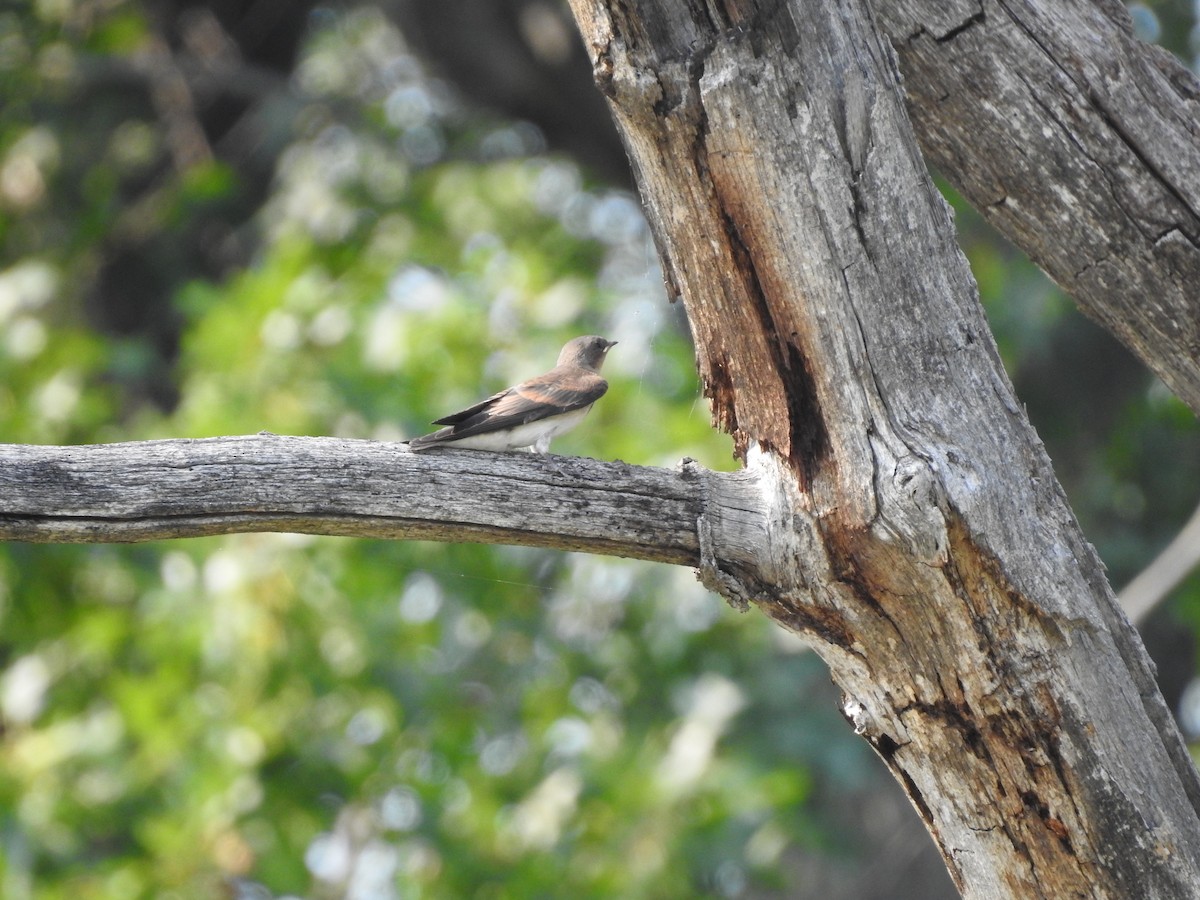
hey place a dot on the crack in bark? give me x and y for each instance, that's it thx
(1175, 230)
(807, 436)
(921, 30)
(813, 620)
(848, 571)
(858, 210)
(1133, 216)
(1097, 103)
(978, 19)
(1129, 141)
(1047, 52)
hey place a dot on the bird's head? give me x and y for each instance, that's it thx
(587, 352)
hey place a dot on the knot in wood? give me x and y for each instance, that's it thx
(912, 510)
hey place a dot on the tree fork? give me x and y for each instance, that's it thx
(918, 538)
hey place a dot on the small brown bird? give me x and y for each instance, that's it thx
(535, 411)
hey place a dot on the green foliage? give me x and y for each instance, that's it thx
(328, 717)
(453, 720)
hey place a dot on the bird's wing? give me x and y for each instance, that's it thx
(464, 414)
(559, 391)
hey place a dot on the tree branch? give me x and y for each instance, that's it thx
(155, 490)
(1080, 144)
(1171, 566)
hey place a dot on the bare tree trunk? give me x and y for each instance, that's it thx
(1080, 144)
(920, 541)
(896, 509)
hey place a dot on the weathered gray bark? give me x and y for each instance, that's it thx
(1079, 143)
(920, 540)
(156, 490)
(896, 509)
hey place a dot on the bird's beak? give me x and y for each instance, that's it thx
(611, 344)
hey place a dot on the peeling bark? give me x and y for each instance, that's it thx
(918, 538)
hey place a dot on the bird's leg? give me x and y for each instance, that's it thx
(542, 448)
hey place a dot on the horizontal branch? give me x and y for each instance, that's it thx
(155, 490)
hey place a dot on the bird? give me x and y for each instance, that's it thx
(533, 412)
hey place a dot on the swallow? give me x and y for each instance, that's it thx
(533, 412)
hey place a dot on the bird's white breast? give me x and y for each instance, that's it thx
(527, 435)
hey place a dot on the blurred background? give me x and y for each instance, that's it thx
(222, 217)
